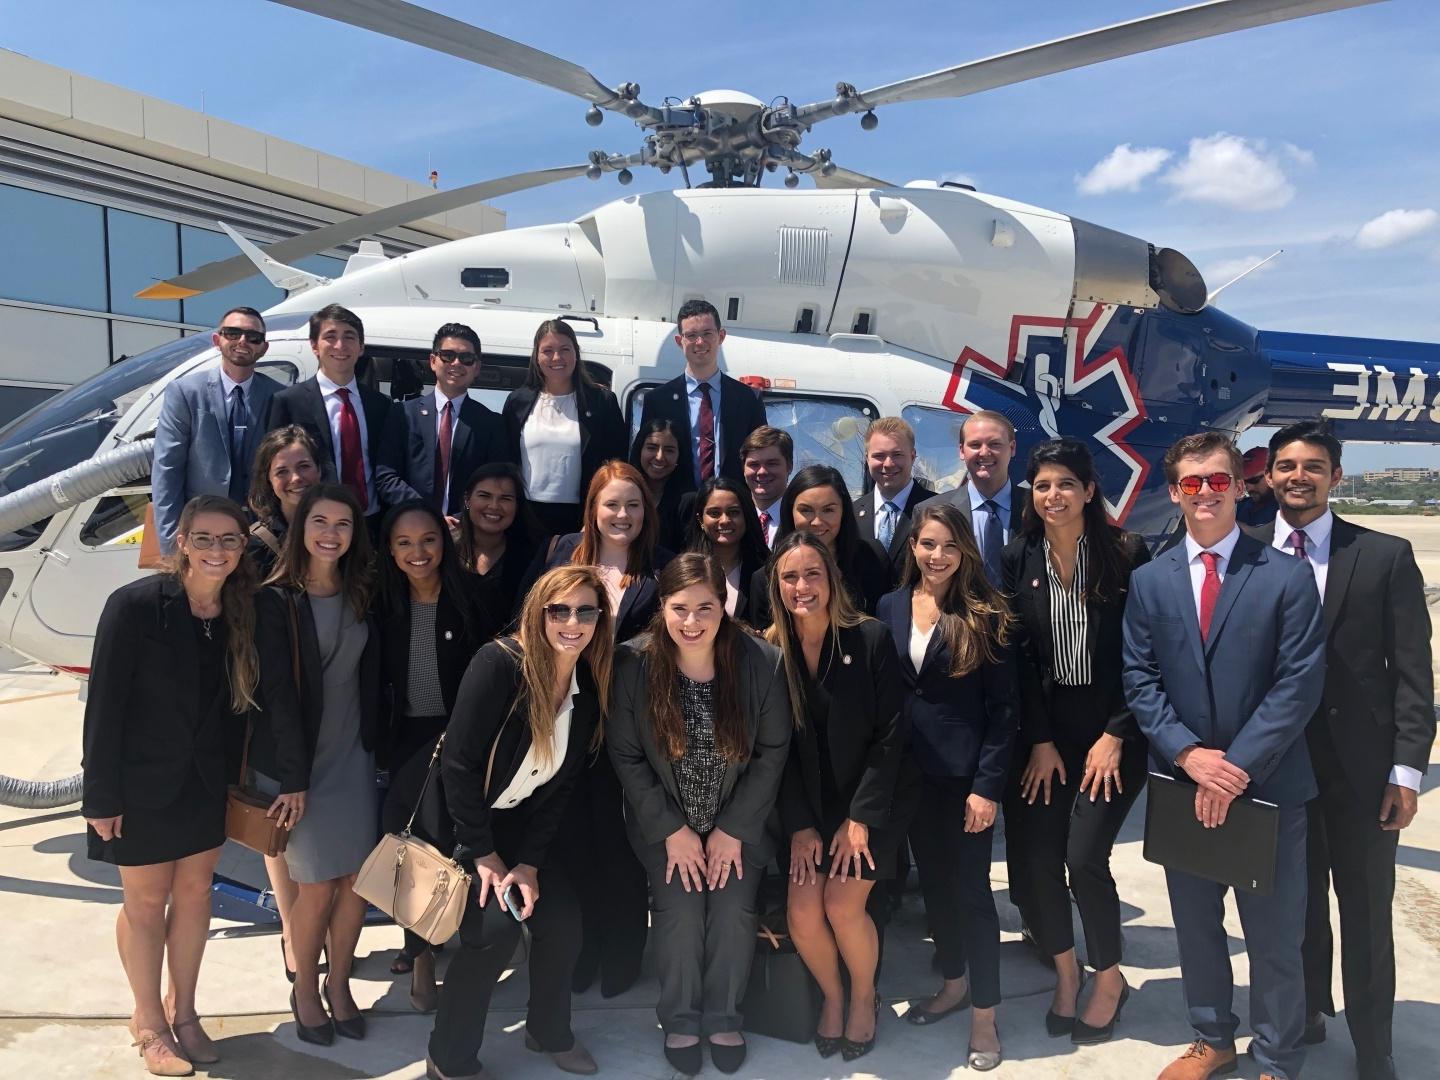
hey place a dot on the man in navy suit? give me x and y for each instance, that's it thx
(986, 497)
(1224, 667)
(883, 513)
(431, 444)
(711, 412)
(211, 421)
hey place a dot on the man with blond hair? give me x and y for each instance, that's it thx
(883, 513)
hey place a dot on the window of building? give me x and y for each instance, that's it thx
(54, 249)
(142, 251)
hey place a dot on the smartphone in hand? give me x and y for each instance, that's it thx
(514, 902)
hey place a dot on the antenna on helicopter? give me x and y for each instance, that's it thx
(1210, 299)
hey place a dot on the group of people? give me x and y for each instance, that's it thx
(617, 740)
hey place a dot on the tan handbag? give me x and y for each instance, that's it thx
(412, 881)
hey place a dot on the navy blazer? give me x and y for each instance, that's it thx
(406, 465)
(958, 726)
(1251, 687)
(741, 412)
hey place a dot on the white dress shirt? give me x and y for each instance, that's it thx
(900, 498)
(978, 513)
(920, 643)
(1225, 548)
(1317, 554)
(333, 408)
(550, 449)
(532, 772)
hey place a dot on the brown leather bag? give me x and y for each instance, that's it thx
(151, 557)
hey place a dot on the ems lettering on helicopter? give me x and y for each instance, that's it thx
(1374, 392)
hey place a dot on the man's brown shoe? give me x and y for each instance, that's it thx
(1199, 1061)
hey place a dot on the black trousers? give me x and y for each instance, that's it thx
(410, 762)
(488, 938)
(1347, 845)
(594, 850)
(1063, 848)
(955, 879)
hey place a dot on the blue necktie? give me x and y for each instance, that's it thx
(885, 527)
(239, 426)
(991, 541)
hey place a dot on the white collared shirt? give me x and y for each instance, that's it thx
(773, 525)
(1225, 548)
(1317, 554)
(978, 513)
(900, 498)
(533, 773)
(333, 408)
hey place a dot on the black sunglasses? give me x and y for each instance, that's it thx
(452, 356)
(235, 333)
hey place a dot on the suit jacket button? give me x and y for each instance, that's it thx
(1334, 711)
(917, 691)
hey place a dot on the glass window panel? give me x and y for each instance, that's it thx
(827, 431)
(201, 246)
(143, 251)
(63, 241)
(937, 445)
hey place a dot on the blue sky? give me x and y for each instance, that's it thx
(1320, 136)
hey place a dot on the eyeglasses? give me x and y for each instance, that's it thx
(585, 614)
(1218, 482)
(452, 356)
(235, 333)
(693, 338)
(227, 541)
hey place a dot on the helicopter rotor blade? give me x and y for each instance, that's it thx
(844, 178)
(420, 26)
(1079, 50)
(218, 274)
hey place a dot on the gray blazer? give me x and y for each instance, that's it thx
(192, 442)
(749, 789)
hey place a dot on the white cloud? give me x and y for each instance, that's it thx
(1123, 169)
(1225, 269)
(1234, 171)
(1395, 227)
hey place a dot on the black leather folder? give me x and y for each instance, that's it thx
(1240, 853)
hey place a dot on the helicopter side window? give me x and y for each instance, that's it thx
(485, 277)
(937, 444)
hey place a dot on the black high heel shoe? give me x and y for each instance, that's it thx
(1085, 1035)
(828, 1045)
(354, 1028)
(285, 962)
(319, 1035)
(850, 1049)
(1057, 1025)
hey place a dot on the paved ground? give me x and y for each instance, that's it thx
(62, 1009)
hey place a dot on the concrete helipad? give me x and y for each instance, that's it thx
(65, 1001)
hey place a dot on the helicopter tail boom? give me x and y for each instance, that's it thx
(1371, 390)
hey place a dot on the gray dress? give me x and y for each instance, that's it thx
(337, 831)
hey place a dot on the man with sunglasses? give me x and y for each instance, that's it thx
(1258, 508)
(1224, 667)
(431, 444)
(211, 421)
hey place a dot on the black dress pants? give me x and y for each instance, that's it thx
(409, 765)
(487, 945)
(1071, 834)
(1347, 845)
(954, 871)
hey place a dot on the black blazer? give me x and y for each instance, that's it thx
(143, 737)
(502, 588)
(1027, 583)
(747, 794)
(275, 750)
(899, 550)
(958, 726)
(455, 645)
(866, 576)
(866, 739)
(490, 708)
(303, 404)
(638, 603)
(1379, 683)
(602, 428)
(741, 412)
(406, 465)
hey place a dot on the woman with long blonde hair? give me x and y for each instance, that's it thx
(174, 670)
(526, 714)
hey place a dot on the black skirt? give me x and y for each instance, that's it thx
(193, 822)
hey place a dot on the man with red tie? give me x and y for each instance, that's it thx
(711, 412)
(345, 418)
(766, 457)
(1224, 651)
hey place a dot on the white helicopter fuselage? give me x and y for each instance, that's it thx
(845, 304)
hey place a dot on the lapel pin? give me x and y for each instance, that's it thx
(676, 396)
(845, 659)
(1035, 583)
(449, 635)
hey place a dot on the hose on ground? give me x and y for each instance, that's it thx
(40, 794)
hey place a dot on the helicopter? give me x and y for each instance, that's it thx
(844, 301)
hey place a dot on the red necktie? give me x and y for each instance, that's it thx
(442, 457)
(706, 434)
(352, 457)
(765, 524)
(1209, 592)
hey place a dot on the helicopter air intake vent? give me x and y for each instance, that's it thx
(803, 254)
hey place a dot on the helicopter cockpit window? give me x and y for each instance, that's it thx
(485, 277)
(937, 444)
(69, 427)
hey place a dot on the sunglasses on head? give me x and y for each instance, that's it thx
(1218, 482)
(585, 614)
(235, 333)
(456, 356)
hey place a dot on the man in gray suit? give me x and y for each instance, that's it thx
(986, 497)
(210, 423)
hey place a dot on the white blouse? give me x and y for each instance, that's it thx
(550, 449)
(732, 589)
(920, 643)
(532, 772)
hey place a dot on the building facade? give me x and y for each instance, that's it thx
(104, 192)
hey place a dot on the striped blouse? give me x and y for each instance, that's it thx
(1069, 625)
